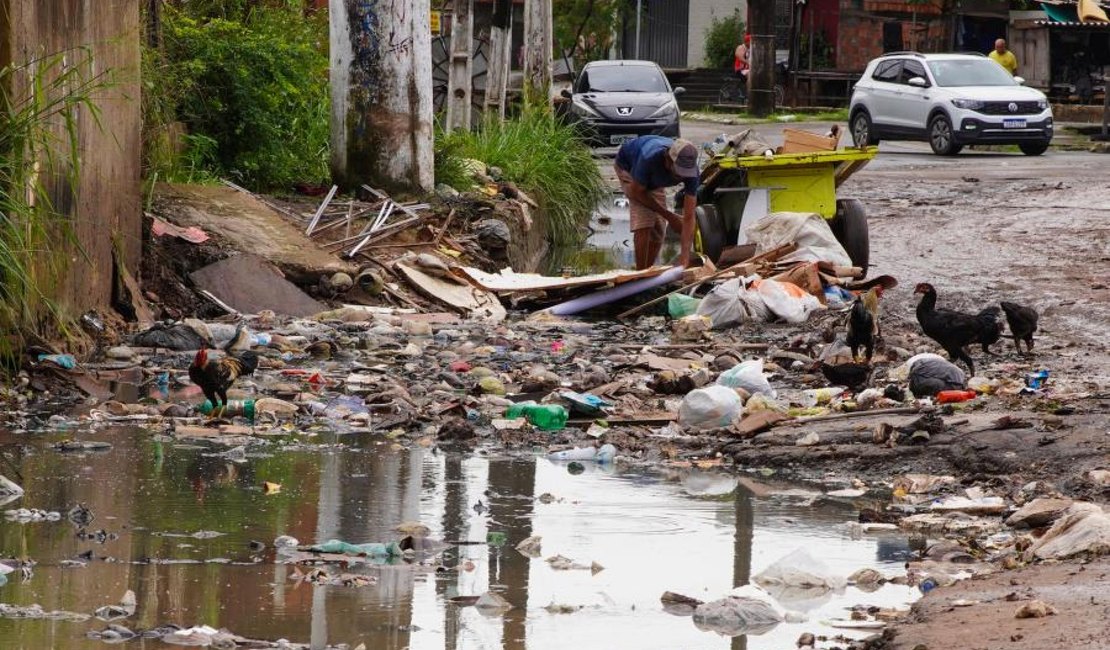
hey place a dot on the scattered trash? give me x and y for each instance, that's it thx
(549, 417)
(530, 546)
(748, 376)
(799, 569)
(66, 361)
(1035, 609)
(125, 608)
(1084, 529)
(712, 407)
(371, 549)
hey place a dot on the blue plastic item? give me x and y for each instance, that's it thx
(67, 361)
(369, 549)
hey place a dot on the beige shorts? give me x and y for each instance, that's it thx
(640, 215)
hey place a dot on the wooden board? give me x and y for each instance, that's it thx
(467, 299)
(508, 281)
(249, 284)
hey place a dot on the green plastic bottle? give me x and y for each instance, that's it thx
(549, 417)
(243, 407)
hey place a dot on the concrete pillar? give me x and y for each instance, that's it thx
(381, 94)
(538, 48)
(460, 66)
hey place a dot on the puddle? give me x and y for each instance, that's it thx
(608, 247)
(652, 530)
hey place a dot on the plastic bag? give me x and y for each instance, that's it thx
(730, 303)
(1084, 529)
(788, 301)
(711, 407)
(679, 305)
(799, 569)
(370, 549)
(749, 376)
(809, 230)
(733, 616)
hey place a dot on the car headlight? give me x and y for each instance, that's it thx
(1042, 104)
(582, 108)
(970, 104)
(670, 109)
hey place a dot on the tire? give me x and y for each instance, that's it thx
(711, 231)
(850, 227)
(941, 138)
(1033, 148)
(863, 132)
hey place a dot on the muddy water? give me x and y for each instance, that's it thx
(609, 245)
(159, 504)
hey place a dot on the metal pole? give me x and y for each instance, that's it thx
(639, 10)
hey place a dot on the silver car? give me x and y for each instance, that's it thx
(949, 101)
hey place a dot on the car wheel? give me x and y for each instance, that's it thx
(863, 132)
(1033, 148)
(711, 231)
(850, 227)
(941, 138)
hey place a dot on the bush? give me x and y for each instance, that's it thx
(253, 93)
(721, 39)
(543, 156)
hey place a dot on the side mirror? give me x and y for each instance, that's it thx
(918, 82)
(1020, 80)
(566, 93)
(678, 90)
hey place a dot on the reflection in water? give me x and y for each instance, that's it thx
(647, 528)
(608, 247)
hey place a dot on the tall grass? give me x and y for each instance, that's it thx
(543, 156)
(42, 101)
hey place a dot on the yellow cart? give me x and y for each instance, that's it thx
(737, 190)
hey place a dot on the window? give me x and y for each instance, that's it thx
(979, 71)
(622, 78)
(912, 69)
(887, 71)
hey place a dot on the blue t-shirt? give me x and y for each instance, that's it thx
(643, 158)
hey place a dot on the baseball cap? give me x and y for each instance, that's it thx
(684, 156)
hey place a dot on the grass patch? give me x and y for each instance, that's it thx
(544, 157)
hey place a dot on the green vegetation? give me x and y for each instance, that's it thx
(39, 164)
(585, 27)
(238, 91)
(721, 39)
(543, 156)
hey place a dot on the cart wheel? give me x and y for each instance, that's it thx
(710, 231)
(850, 227)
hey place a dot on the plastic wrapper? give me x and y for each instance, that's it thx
(749, 376)
(809, 230)
(711, 407)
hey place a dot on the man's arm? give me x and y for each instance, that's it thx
(641, 195)
(689, 202)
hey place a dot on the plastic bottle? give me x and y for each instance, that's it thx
(951, 396)
(549, 417)
(817, 396)
(243, 407)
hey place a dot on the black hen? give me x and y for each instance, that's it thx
(1023, 323)
(953, 329)
(861, 330)
(992, 321)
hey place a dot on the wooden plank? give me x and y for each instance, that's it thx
(467, 299)
(320, 210)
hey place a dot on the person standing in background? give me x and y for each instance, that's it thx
(1004, 57)
(740, 60)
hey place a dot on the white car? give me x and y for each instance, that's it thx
(947, 100)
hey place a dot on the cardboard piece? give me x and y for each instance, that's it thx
(468, 299)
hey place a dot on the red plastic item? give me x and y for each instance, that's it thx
(950, 396)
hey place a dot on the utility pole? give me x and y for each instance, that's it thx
(460, 72)
(538, 48)
(381, 94)
(500, 53)
(761, 95)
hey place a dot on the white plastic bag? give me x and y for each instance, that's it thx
(749, 376)
(788, 301)
(733, 616)
(809, 230)
(1083, 530)
(730, 303)
(711, 407)
(799, 569)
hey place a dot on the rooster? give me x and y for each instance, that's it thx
(215, 376)
(953, 329)
(863, 323)
(1023, 323)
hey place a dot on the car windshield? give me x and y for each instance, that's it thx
(622, 78)
(970, 72)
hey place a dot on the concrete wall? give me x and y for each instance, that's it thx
(702, 13)
(106, 203)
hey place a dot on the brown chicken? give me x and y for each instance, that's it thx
(216, 376)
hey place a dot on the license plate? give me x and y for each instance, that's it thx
(620, 139)
(1013, 124)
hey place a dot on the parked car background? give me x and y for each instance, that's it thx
(949, 101)
(615, 101)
